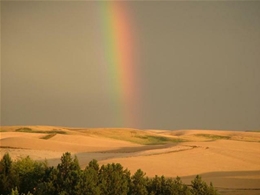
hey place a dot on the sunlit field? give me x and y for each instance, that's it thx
(228, 159)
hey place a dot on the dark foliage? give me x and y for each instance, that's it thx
(28, 177)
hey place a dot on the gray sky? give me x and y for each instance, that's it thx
(198, 65)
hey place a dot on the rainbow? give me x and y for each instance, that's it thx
(119, 50)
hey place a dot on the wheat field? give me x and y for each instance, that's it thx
(229, 159)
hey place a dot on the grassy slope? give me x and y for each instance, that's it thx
(131, 135)
(143, 137)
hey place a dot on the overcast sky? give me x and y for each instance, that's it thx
(197, 65)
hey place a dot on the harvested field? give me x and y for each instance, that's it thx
(230, 159)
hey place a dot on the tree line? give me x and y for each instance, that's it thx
(29, 177)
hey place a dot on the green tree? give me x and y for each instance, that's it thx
(14, 191)
(28, 173)
(47, 185)
(138, 183)
(167, 186)
(68, 175)
(88, 183)
(113, 179)
(6, 174)
(155, 185)
(176, 187)
(200, 187)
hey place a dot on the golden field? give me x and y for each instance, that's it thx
(230, 159)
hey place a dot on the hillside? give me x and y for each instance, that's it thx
(230, 159)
